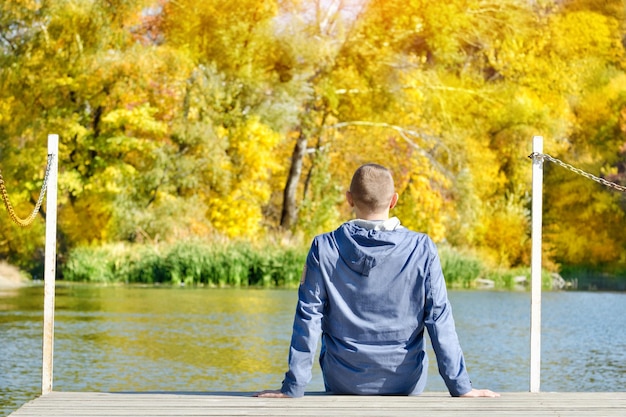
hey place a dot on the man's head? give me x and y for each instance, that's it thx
(372, 192)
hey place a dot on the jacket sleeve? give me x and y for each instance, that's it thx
(441, 329)
(307, 326)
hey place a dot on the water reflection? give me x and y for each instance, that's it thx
(164, 339)
(174, 339)
(20, 347)
(584, 346)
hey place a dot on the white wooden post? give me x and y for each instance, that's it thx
(535, 267)
(50, 266)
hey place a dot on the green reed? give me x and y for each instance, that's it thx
(187, 263)
(239, 264)
(460, 269)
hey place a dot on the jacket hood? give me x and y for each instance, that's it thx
(363, 245)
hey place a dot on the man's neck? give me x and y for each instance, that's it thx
(371, 216)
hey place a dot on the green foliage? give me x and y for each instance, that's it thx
(518, 278)
(187, 263)
(460, 269)
(464, 269)
(90, 264)
(241, 265)
(320, 202)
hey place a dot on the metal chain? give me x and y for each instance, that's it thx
(578, 171)
(7, 203)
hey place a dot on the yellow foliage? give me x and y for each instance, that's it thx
(423, 205)
(179, 105)
(87, 220)
(6, 105)
(583, 245)
(502, 233)
(578, 34)
(584, 221)
(483, 162)
(238, 211)
(138, 120)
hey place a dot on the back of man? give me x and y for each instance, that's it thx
(375, 289)
(370, 288)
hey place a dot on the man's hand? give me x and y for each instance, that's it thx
(480, 393)
(274, 393)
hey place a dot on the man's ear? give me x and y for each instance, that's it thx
(349, 198)
(394, 201)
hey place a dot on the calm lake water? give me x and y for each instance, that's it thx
(198, 339)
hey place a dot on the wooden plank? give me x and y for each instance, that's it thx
(156, 404)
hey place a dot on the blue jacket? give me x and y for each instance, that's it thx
(370, 294)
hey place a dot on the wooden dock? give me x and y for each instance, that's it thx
(155, 404)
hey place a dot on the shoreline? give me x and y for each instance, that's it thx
(12, 277)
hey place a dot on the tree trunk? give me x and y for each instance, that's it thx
(290, 211)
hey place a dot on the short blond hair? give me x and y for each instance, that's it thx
(372, 188)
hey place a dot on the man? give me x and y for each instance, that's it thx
(370, 288)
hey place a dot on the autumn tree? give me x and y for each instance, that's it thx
(81, 69)
(238, 119)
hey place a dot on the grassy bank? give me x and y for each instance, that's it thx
(242, 265)
(189, 263)
(463, 269)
